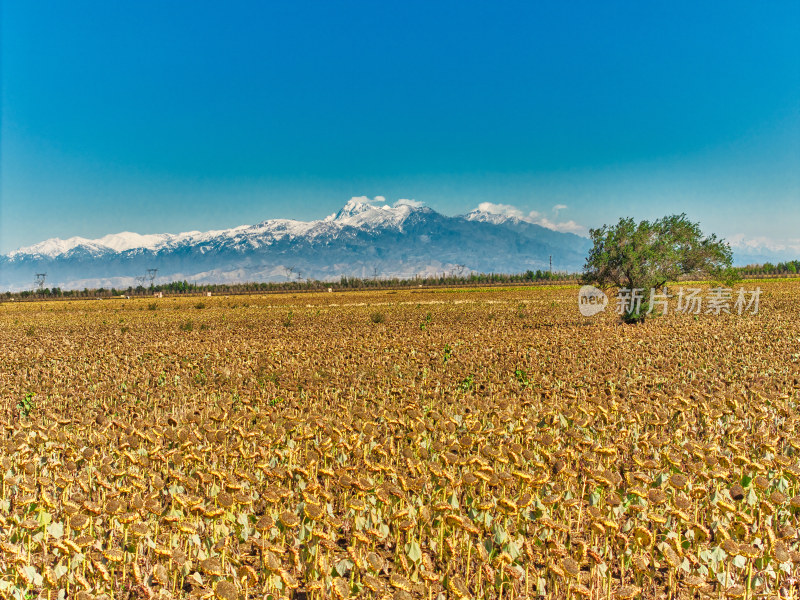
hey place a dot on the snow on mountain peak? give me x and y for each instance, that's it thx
(486, 217)
(497, 214)
(488, 212)
(360, 211)
(128, 240)
(357, 205)
(397, 238)
(52, 247)
(115, 242)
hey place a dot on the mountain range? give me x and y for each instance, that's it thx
(363, 239)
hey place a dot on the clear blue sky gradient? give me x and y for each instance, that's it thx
(171, 116)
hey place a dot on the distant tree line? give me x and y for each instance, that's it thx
(790, 267)
(345, 282)
(351, 283)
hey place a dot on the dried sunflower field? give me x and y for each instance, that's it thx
(409, 444)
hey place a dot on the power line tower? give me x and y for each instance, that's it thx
(551, 264)
(151, 275)
(39, 282)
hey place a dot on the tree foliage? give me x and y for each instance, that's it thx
(648, 255)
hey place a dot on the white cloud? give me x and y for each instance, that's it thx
(407, 202)
(381, 200)
(742, 242)
(498, 209)
(367, 200)
(535, 217)
(505, 210)
(564, 227)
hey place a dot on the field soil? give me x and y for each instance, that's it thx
(445, 443)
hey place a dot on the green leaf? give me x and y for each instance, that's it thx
(453, 500)
(513, 550)
(500, 534)
(541, 586)
(33, 575)
(343, 566)
(716, 557)
(413, 551)
(60, 570)
(247, 530)
(276, 582)
(56, 529)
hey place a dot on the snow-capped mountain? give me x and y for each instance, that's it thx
(496, 218)
(116, 242)
(362, 239)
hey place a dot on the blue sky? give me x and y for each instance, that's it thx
(172, 116)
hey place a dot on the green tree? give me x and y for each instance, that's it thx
(648, 255)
